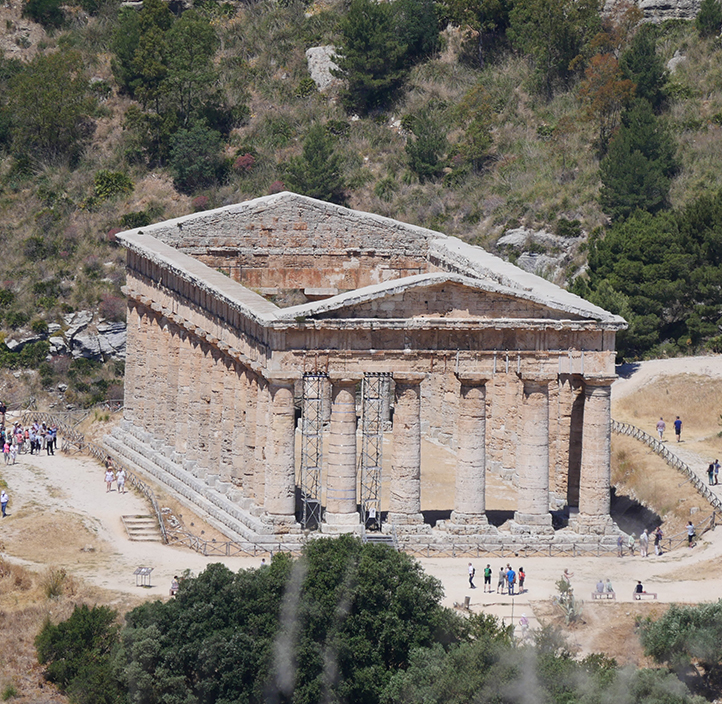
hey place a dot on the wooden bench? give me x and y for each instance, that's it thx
(638, 595)
(604, 595)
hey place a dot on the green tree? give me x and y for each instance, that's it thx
(192, 43)
(554, 33)
(685, 635)
(50, 107)
(428, 146)
(318, 171)
(195, 157)
(78, 652)
(371, 56)
(417, 27)
(637, 170)
(475, 114)
(709, 18)
(641, 64)
(48, 13)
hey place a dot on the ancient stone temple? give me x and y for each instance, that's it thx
(276, 345)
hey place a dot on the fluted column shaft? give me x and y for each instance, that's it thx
(185, 374)
(595, 475)
(249, 468)
(533, 458)
(280, 484)
(261, 452)
(405, 499)
(470, 499)
(341, 500)
(132, 350)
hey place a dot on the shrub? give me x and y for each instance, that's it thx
(138, 218)
(243, 164)
(45, 12)
(195, 157)
(10, 692)
(39, 326)
(53, 582)
(276, 187)
(306, 87)
(108, 184)
(112, 307)
(200, 203)
(709, 18)
(568, 228)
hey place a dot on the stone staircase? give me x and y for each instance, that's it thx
(142, 528)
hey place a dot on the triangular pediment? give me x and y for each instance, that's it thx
(432, 296)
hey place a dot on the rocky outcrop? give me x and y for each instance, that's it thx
(660, 10)
(320, 65)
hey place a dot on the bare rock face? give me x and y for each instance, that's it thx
(538, 251)
(320, 64)
(659, 10)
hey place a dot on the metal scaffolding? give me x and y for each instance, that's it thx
(312, 449)
(375, 389)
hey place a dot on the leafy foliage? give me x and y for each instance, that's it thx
(554, 33)
(318, 171)
(48, 13)
(709, 18)
(50, 106)
(77, 654)
(641, 64)
(637, 170)
(195, 157)
(428, 146)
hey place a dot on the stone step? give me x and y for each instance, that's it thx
(226, 510)
(142, 528)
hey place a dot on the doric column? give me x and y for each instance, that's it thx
(230, 383)
(249, 468)
(405, 499)
(341, 500)
(150, 378)
(238, 448)
(595, 474)
(261, 451)
(160, 379)
(470, 500)
(280, 484)
(204, 376)
(215, 411)
(185, 375)
(533, 457)
(132, 351)
(173, 332)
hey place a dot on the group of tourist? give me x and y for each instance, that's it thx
(507, 581)
(32, 440)
(644, 538)
(662, 426)
(113, 475)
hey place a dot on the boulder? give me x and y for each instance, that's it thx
(19, 343)
(112, 337)
(77, 322)
(320, 63)
(86, 345)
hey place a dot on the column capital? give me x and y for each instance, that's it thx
(282, 378)
(345, 378)
(532, 378)
(599, 380)
(473, 378)
(409, 377)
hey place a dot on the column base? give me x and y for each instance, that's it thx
(281, 524)
(532, 523)
(466, 524)
(405, 523)
(593, 525)
(341, 523)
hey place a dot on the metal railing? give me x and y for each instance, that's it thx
(670, 458)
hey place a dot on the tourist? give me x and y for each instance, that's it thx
(522, 577)
(678, 429)
(3, 411)
(710, 473)
(608, 587)
(690, 533)
(661, 427)
(620, 545)
(6, 451)
(600, 586)
(630, 544)
(658, 535)
(174, 586)
(501, 582)
(644, 543)
(639, 589)
(716, 472)
(109, 479)
(472, 572)
(13, 453)
(120, 479)
(511, 580)
(487, 578)
(524, 626)
(4, 498)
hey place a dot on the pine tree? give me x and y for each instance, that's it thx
(645, 68)
(371, 57)
(637, 170)
(709, 18)
(317, 172)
